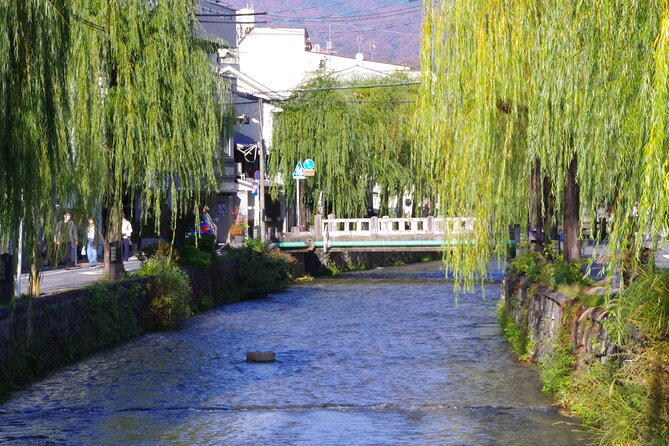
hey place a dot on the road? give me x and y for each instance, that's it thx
(62, 279)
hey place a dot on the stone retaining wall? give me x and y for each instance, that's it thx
(540, 311)
(314, 262)
(44, 332)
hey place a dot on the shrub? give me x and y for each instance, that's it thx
(257, 273)
(170, 293)
(194, 257)
(529, 264)
(161, 249)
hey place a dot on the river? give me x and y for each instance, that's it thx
(382, 357)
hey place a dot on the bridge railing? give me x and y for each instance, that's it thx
(363, 227)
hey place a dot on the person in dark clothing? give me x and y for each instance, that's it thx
(67, 237)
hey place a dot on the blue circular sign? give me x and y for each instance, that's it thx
(309, 164)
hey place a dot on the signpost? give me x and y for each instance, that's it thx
(309, 167)
(298, 174)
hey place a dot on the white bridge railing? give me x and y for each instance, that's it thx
(384, 226)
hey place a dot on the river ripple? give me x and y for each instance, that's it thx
(379, 357)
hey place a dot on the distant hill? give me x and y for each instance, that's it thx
(383, 30)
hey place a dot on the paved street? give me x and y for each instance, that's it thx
(62, 279)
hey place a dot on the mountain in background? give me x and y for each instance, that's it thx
(383, 30)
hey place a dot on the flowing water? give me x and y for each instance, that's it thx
(384, 357)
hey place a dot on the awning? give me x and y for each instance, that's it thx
(243, 140)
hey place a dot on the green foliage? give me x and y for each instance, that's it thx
(552, 273)
(557, 366)
(147, 105)
(255, 245)
(561, 272)
(170, 293)
(506, 82)
(204, 242)
(530, 264)
(192, 256)
(586, 300)
(642, 311)
(358, 137)
(626, 400)
(28, 364)
(115, 321)
(627, 404)
(517, 337)
(162, 249)
(258, 273)
(208, 302)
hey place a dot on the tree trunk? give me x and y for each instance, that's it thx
(572, 244)
(34, 286)
(550, 224)
(111, 224)
(536, 217)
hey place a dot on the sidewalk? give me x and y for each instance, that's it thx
(61, 279)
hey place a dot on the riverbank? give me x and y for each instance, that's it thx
(604, 357)
(383, 357)
(39, 334)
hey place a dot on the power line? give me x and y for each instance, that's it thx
(350, 101)
(339, 18)
(198, 14)
(345, 14)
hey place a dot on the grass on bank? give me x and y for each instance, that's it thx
(625, 401)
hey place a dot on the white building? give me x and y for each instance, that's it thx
(265, 64)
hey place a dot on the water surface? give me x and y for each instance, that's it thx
(382, 357)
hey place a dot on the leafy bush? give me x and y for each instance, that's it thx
(170, 293)
(204, 242)
(561, 272)
(191, 256)
(161, 249)
(257, 273)
(529, 264)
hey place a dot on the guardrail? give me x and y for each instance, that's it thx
(381, 232)
(392, 226)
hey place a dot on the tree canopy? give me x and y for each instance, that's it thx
(357, 133)
(507, 81)
(103, 100)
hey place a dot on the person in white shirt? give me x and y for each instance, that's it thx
(126, 231)
(93, 237)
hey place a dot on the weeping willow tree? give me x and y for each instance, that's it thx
(579, 86)
(357, 133)
(34, 43)
(147, 108)
(100, 101)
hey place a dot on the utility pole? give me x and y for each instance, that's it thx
(261, 185)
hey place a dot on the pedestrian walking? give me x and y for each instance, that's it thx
(126, 231)
(93, 236)
(66, 236)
